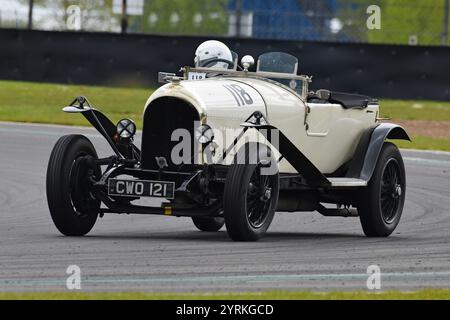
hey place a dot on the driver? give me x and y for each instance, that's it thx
(213, 54)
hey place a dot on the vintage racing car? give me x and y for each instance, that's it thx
(229, 146)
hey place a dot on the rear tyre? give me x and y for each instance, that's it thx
(382, 201)
(251, 194)
(73, 209)
(208, 224)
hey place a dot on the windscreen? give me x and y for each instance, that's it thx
(281, 62)
(277, 62)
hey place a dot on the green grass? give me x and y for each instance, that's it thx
(428, 294)
(425, 143)
(42, 103)
(415, 110)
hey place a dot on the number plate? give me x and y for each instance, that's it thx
(141, 188)
(196, 75)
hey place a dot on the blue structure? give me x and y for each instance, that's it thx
(288, 19)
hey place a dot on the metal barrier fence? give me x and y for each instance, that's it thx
(413, 22)
(413, 72)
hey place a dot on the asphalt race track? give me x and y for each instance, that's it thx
(155, 253)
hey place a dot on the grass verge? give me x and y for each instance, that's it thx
(42, 103)
(415, 110)
(425, 143)
(428, 294)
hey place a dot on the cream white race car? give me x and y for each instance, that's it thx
(229, 146)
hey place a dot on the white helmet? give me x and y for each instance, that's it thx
(210, 50)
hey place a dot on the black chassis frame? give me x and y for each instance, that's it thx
(201, 186)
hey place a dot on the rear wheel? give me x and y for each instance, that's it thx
(73, 209)
(250, 197)
(208, 224)
(382, 202)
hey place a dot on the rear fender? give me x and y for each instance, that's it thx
(369, 148)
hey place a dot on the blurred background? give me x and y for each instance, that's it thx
(402, 54)
(112, 51)
(411, 22)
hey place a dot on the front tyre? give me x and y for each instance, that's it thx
(208, 224)
(382, 202)
(251, 194)
(73, 209)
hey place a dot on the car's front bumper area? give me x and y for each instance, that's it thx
(197, 191)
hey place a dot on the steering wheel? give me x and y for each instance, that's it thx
(209, 62)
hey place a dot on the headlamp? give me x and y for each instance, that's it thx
(126, 128)
(204, 134)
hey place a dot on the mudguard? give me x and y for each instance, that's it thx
(368, 150)
(108, 130)
(102, 124)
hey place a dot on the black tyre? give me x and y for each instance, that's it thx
(382, 202)
(72, 208)
(250, 195)
(208, 224)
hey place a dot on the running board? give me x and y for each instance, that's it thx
(347, 182)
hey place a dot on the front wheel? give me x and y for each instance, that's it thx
(251, 194)
(72, 208)
(382, 201)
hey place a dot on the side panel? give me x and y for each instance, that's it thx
(285, 111)
(327, 135)
(332, 133)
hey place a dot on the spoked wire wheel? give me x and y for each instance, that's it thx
(391, 191)
(381, 202)
(251, 196)
(259, 196)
